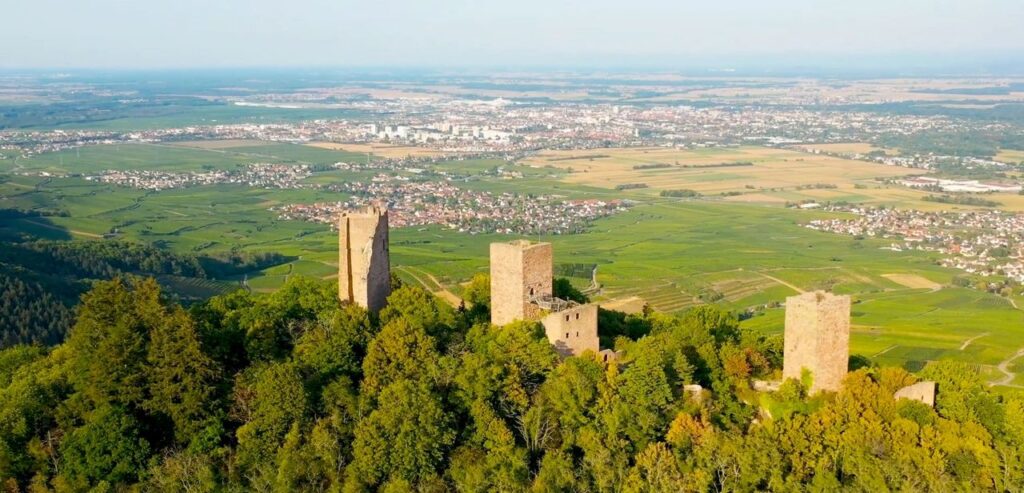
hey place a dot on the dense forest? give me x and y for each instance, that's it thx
(41, 280)
(293, 391)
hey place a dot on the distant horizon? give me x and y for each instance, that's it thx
(908, 64)
(934, 35)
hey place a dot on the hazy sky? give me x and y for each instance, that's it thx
(231, 33)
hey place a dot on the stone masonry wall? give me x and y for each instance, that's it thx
(364, 272)
(574, 330)
(519, 269)
(817, 337)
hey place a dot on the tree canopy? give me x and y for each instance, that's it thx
(295, 391)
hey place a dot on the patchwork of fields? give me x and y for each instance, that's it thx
(701, 169)
(755, 175)
(670, 253)
(184, 156)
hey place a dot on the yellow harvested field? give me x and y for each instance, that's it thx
(874, 194)
(219, 144)
(632, 304)
(771, 170)
(1010, 156)
(913, 281)
(382, 150)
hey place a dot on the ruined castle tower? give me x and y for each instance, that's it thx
(519, 270)
(521, 289)
(364, 270)
(817, 338)
(573, 330)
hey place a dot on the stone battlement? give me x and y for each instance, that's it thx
(552, 303)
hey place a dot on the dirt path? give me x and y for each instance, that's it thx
(1004, 367)
(969, 341)
(594, 287)
(442, 293)
(58, 228)
(780, 281)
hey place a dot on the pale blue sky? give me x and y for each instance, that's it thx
(210, 33)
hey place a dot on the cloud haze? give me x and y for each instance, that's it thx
(193, 33)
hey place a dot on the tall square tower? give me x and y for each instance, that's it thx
(520, 270)
(817, 338)
(364, 267)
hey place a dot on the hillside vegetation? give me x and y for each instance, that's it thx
(41, 280)
(293, 391)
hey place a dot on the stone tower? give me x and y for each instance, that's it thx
(519, 270)
(364, 268)
(817, 338)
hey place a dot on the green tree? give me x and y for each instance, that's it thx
(557, 473)
(655, 470)
(644, 395)
(28, 404)
(107, 448)
(269, 401)
(563, 288)
(273, 323)
(505, 365)
(421, 309)
(181, 377)
(405, 438)
(183, 472)
(491, 461)
(336, 346)
(571, 391)
(110, 339)
(478, 290)
(298, 467)
(400, 351)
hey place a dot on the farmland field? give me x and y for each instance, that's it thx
(748, 168)
(670, 253)
(382, 150)
(773, 176)
(189, 156)
(92, 159)
(847, 148)
(1010, 156)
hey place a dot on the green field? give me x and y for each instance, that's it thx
(670, 253)
(181, 115)
(94, 159)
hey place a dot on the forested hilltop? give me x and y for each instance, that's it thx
(41, 280)
(293, 391)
